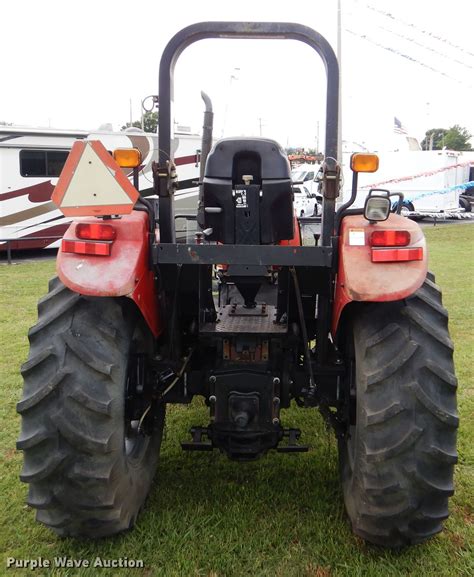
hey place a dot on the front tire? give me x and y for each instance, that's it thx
(88, 473)
(398, 459)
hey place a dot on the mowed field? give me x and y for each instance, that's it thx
(208, 516)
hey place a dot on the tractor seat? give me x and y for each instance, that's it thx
(246, 195)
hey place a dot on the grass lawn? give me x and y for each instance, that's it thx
(208, 516)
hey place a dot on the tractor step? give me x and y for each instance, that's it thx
(197, 443)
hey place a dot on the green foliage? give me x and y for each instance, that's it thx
(150, 122)
(434, 139)
(454, 138)
(457, 138)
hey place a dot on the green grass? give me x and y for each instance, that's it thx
(282, 516)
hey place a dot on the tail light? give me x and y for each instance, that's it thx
(390, 238)
(95, 231)
(384, 243)
(95, 238)
(397, 254)
(86, 247)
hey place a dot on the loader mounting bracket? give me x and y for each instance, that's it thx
(331, 178)
(165, 178)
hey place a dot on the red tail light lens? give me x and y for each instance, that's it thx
(95, 231)
(84, 247)
(390, 238)
(397, 254)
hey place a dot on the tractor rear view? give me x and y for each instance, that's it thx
(244, 316)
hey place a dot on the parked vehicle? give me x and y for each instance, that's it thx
(353, 326)
(426, 178)
(306, 184)
(32, 159)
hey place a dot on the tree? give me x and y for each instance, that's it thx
(434, 139)
(457, 138)
(454, 138)
(150, 122)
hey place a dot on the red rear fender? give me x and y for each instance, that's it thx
(361, 278)
(124, 273)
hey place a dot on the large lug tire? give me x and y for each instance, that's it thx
(88, 474)
(398, 460)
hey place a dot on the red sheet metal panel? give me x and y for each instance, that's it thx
(124, 273)
(361, 279)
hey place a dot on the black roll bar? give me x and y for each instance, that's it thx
(249, 30)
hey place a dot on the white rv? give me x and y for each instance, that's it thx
(427, 179)
(32, 159)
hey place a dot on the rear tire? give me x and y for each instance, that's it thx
(88, 474)
(465, 203)
(397, 463)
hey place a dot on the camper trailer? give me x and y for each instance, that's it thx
(32, 159)
(426, 178)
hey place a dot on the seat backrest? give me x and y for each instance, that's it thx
(235, 168)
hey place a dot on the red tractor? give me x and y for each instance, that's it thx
(245, 316)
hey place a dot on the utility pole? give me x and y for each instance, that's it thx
(233, 76)
(339, 59)
(260, 124)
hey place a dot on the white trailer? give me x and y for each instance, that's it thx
(32, 159)
(427, 179)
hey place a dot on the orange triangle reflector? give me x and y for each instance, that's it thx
(92, 183)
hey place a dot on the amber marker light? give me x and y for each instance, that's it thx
(362, 162)
(127, 157)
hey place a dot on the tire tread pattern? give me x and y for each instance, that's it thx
(80, 480)
(400, 476)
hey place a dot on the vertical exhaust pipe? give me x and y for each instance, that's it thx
(206, 145)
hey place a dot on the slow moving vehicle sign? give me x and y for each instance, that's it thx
(93, 184)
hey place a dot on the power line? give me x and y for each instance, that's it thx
(424, 46)
(406, 56)
(421, 30)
